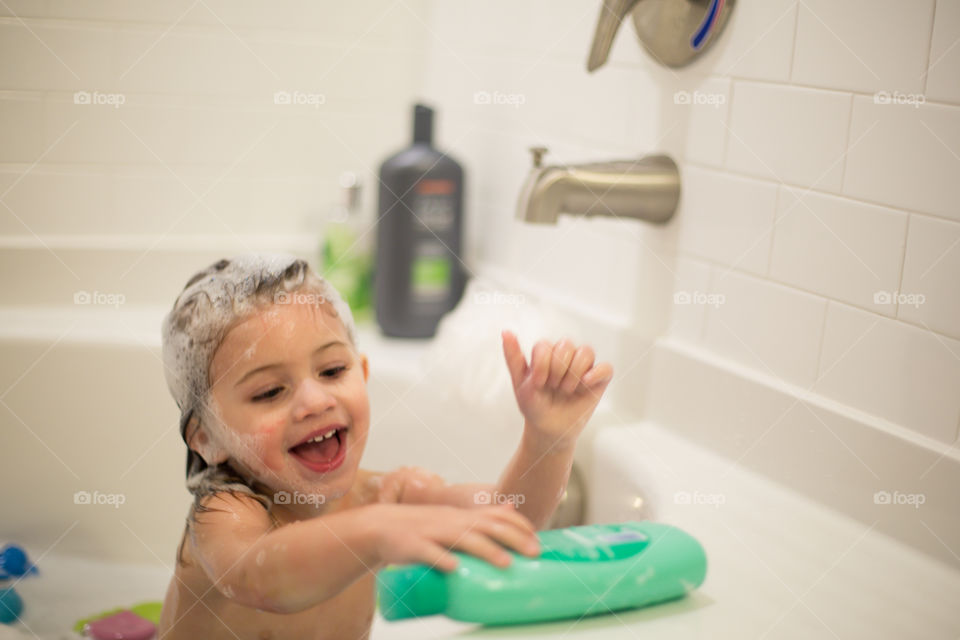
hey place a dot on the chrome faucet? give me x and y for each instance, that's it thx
(645, 189)
(674, 32)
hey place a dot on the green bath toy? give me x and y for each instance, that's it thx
(581, 571)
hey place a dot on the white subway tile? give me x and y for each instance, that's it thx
(201, 63)
(301, 140)
(107, 10)
(768, 327)
(905, 156)
(756, 43)
(839, 248)
(345, 22)
(193, 62)
(562, 101)
(494, 27)
(686, 318)
(22, 130)
(137, 134)
(943, 73)
(155, 202)
(932, 269)
(727, 218)
(863, 45)
(892, 370)
(788, 134)
(39, 199)
(708, 107)
(649, 121)
(55, 58)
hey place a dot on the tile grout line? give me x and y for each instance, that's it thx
(903, 265)
(846, 145)
(926, 67)
(796, 39)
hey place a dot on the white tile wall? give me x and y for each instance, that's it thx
(931, 269)
(839, 248)
(709, 107)
(788, 134)
(22, 128)
(691, 282)
(198, 145)
(863, 45)
(787, 95)
(771, 328)
(944, 66)
(798, 182)
(893, 370)
(905, 155)
(727, 219)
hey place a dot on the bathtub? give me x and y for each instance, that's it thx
(785, 559)
(780, 565)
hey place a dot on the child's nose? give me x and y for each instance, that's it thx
(312, 398)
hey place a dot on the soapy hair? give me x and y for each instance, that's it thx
(213, 301)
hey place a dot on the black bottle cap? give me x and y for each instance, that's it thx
(422, 125)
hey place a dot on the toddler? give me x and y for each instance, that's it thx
(286, 532)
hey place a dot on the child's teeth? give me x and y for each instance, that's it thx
(322, 438)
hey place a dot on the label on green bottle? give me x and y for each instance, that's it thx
(430, 277)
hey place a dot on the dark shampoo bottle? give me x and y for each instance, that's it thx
(418, 275)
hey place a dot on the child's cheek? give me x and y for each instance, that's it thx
(271, 435)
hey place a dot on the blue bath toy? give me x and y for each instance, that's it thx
(13, 564)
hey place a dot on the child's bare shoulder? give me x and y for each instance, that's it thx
(239, 515)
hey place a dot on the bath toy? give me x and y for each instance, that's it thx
(125, 625)
(147, 610)
(13, 564)
(581, 571)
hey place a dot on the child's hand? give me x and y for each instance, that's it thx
(407, 484)
(423, 534)
(559, 390)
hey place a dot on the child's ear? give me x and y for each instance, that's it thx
(200, 441)
(366, 367)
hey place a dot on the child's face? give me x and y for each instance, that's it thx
(285, 375)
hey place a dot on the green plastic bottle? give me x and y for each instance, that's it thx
(581, 571)
(347, 251)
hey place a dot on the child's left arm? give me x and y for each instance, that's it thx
(557, 393)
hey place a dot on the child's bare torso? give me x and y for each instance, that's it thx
(194, 608)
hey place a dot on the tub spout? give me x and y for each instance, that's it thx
(645, 189)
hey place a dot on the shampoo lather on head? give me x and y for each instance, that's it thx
(581, 571)
(418, 274)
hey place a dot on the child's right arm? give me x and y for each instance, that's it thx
(293, 567)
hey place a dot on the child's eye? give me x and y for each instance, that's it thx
(267, 395)
(334, 372)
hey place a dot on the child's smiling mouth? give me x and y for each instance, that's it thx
(322, 450)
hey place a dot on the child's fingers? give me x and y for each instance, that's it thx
(520, 540)
(540, 363)
(509, 513)
(582, 361)
(479, 545)
(562, 357)
(516, 363)
(600, 374)
(433, 555)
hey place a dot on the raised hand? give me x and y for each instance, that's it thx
(559, 389)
